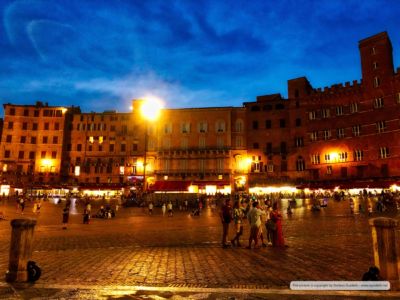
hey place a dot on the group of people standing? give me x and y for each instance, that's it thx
(256, 217)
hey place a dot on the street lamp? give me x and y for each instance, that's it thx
(150, 108)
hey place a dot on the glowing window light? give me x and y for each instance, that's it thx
(77, 170)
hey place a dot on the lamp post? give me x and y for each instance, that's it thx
(150, 108)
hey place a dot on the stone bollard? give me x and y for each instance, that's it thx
(20, 249)
(385, 241)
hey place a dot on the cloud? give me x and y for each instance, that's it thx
(133, 86)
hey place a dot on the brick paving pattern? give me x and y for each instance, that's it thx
(135, 249)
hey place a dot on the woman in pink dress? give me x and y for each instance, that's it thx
(277, 236)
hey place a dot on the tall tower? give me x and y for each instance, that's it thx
(376, 61)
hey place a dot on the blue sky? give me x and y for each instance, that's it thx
(101, 54)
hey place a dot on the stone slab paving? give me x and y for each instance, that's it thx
(135, 249)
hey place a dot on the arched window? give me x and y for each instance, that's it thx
(239, 125)
(300, 164)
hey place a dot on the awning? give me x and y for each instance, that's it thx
(102, 187)
(350, 184)
(170, 186)
(211, 182)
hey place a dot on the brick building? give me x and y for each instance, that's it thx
(343, 134)
(32, 144)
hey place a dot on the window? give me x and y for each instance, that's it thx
(203, 126)
(325, 113)
(100, 148)
(185, 127)
(298, 122)
(270, 168)
(353, 107)
(123, 147)
(340, 133)
(220, 126)
(36, 113)
(34, 126)
(314, 136)
(167, 143)
(381, 126)
(23, 140)
(24, 126)
(342, 156)
(7, 154)
(315, 160)
(267, 107)
(239, 126)
(134, 147)
(8, 138)
(255, 124)
(377, 82)
(112, 147)
(239, 141)
(299, 142)
(255, 108)
(327, 134)
(46, 126)
(358, 155)
(268, 124)
(33, 140)
(58, 113)
(91, 139)
(43, 154)
(220, 142)
(55, 139)
(45, 139)
(79, 147)
(329, 170)
(26, 112)
(256, 146)
(398, 98)
(202, 142)
(283, 148)
(21, 155)
(373, 50)
(383, 152)
(56, 126)
(10, 125)
(279, 106)
(339, 110)
(32, 155)
(268, 148)
(12, 111)
(378, 102)
(374, 65)
(54, 154)
(312, 115)
(356, 130)
(282, 123)
(327, 158)
(112, 128)
(300, 165)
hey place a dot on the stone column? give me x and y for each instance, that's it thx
(20, 249)
(385, 241)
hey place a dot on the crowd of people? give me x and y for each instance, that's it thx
(258, 215)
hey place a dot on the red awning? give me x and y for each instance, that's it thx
(211, 182)
(170, 186)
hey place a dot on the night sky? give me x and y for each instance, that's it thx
(101, 54)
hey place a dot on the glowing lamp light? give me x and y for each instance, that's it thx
(334, 156)
(151, 107)
(46, 162)
(139, 164)
(64, 110)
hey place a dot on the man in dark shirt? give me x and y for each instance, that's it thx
(226, 218)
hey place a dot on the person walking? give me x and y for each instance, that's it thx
(65, 217)
(238, 214)
(164, 209)
(226, 218)
(254, 218)
(150, 208)
(169, 207)
(277, 236)
(86, 216)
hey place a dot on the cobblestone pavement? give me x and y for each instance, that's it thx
(135, 249)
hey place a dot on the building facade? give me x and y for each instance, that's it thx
(339, 134)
